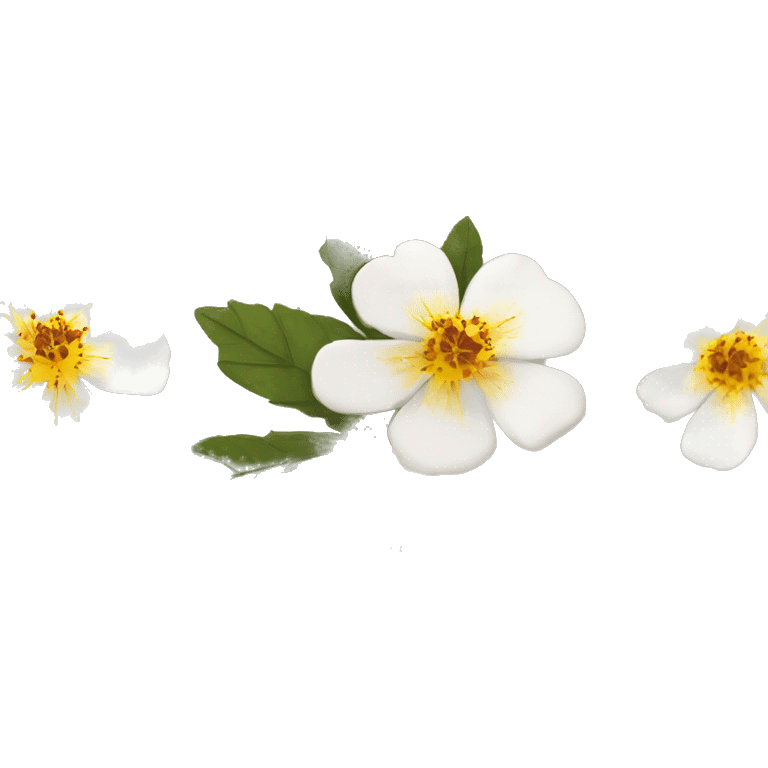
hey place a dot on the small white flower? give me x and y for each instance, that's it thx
(453, 370)
(56, 351)
(717, 385)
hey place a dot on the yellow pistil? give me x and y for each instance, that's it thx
(57, 352)
(734, 363)
(457, 350)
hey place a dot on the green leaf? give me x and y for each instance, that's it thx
(270, 352)
(465, 252)
(250, 455)
(345, 261)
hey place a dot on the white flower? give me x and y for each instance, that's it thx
(453, 370)
(718, 386)
(56, 351)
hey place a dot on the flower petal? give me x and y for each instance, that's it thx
(536, 405)
(131, 370)
(672, 392)
(71, 400)
(21, 370)
(417, 280)
(78, 316)
(743, 325)
(698, 339)
(762, 395)
(434, 439)
(366, 376)
(546, 320)
(720, 436)
(22, 322)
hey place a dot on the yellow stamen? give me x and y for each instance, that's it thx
(733, 363)
(454, 351)
(57, 352)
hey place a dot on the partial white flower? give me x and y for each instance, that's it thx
(57, 352)
(453, 370)
(717, 387)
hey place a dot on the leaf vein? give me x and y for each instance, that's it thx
(285, 336)
(262, 365)
(244, 337)
(275, 447)
(244, 333)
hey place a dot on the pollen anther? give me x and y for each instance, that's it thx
(54, 348)
(734, 362)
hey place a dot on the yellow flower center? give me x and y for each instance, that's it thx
(57, 352)
(734, 362)
(456, 350)
(58, 349)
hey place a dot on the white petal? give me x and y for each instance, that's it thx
(71, 401)
(672, 392)
(366, 376)
(762, 395)
(537, 404)
(18, 317)
(720, 436)
(417, 280)
(743, 325)
(433, 439)
(78, 315)
(547, 320)
(21, 370)
(131, 370)
(698, 339)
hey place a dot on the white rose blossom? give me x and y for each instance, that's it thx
(717, 387)
(57, 351)
(452, 370)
